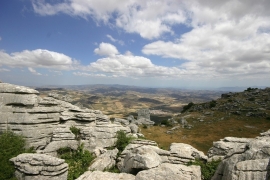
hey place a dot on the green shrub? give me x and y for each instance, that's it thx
(75, 131)
(11, 145)
(213, 103)
(122, 140)
(208, 169)
(166, 123)
(145, 126)
(187, 107)
(113, 169)
(78, 160)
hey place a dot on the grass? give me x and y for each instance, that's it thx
(202, 135)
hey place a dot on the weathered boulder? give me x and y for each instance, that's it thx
(10, 88)
(144, 117)
(39, 166)
(102, 136)
(45, 122)
(228, 146)
(181, 153)
(104, 161)
(251, 163)
(168, 171)
(98, 175)
(140, 158)
(124, 122)
(134, 128)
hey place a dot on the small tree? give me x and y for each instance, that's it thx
(122, 140)
(11, 145)
(187, 107)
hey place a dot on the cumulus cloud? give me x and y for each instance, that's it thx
(229, 38)
(128, 65)
(33, 71)
(84, 74)
(39, 58)
(106, 49)
(150, 18)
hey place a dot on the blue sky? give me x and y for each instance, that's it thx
(154, 43)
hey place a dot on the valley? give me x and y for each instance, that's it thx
(211, 118)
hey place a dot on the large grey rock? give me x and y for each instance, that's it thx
(228, 146)
(140, 158)
(181, 153)
(98, 175)
(39, 166)
(10, 88)
(124, 122)
(144, 117)
(252, 163)
(168, 171)
(103, 136)
(37, 119)
(104, 161)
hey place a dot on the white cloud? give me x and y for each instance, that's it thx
(4, 70)
(106, 49)
(115, 40)
(39, 58)
(226, 40)
(150, 18)
(131, 66)
(84, 74)
(33, 71)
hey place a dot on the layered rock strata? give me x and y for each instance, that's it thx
(248, 160)
(39, 166)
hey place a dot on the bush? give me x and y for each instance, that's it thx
(75, 131)
(144, 126)
(78, 160)
(122, 140)
(187, 107)
(208, 169)
(213, 103)
(166, 123)
(11, 145)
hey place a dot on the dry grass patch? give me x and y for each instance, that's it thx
(202, 135)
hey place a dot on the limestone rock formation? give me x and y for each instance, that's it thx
(98, 175)
(45, 122)
(144, 117)
(227, 147)
(249, 161)
(145, 155)
(168, 171)
(181, 153)
(104, 161)
(39, 166)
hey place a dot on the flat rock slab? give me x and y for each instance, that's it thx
(98, 175)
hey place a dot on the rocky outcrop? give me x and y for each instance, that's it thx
(227, 147)
(98, 175)
(168, 171)
(144, 117)
(250, 161)
(39, 166)
(104, 161)
(45, 122)
(103, 136)
(143, 156)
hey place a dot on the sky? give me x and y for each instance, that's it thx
(152, 43)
